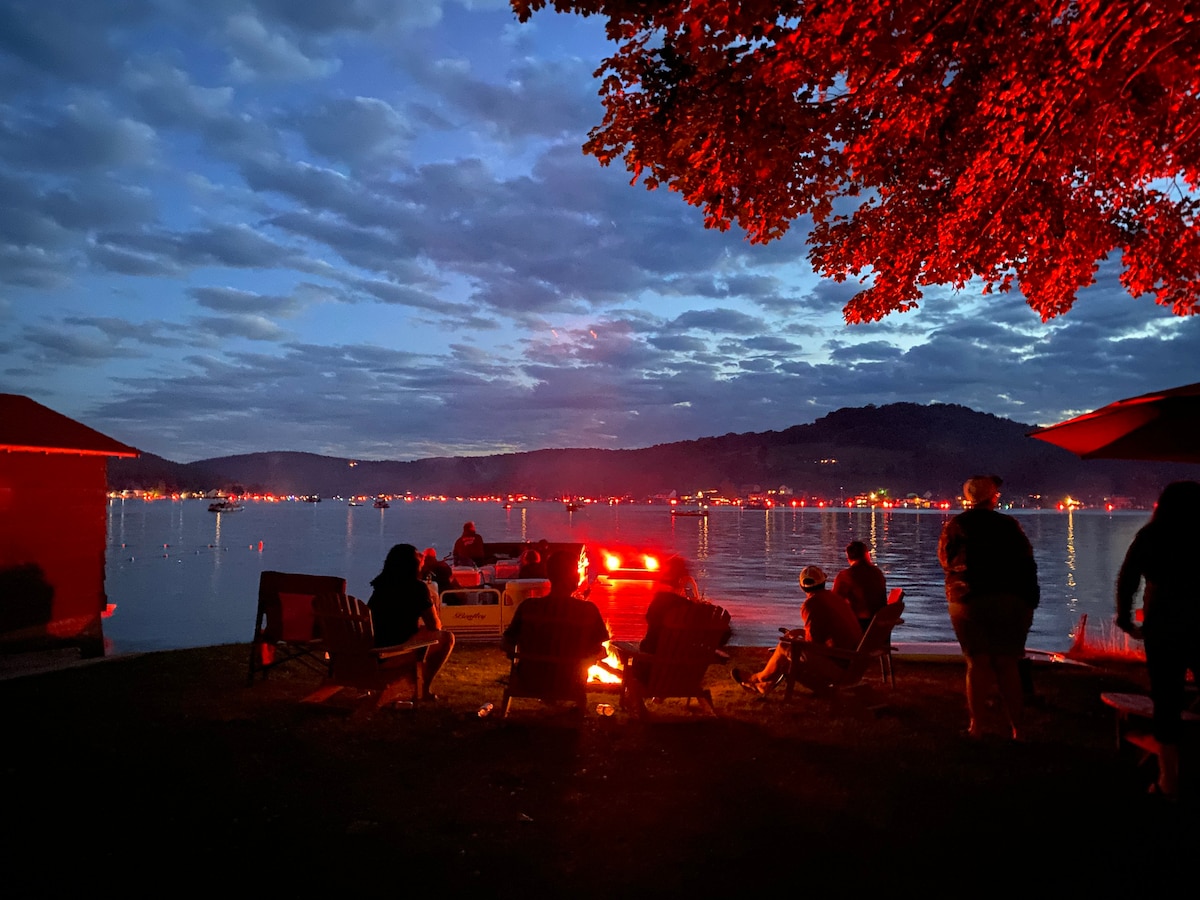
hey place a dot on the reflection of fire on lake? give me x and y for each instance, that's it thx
(608, 670)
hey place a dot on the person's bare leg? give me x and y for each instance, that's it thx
(771, 670)
(436, 656)
(1012, 692)
(980, 680)
(1168, 770)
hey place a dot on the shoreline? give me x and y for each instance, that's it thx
(210, 776)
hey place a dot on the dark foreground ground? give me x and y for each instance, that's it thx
(165, 774)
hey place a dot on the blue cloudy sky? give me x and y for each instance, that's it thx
(365, 228)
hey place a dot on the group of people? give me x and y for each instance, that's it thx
(835, 618)
(992, 590)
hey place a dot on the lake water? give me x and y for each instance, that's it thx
(181, 576)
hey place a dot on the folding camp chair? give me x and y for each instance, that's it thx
(285, 628)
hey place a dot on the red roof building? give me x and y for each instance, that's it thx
(53, 487)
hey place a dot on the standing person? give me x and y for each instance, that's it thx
(469, 549)
(401, 605)
(862, 583)
(992, 591)
(828, 619)
(1160, 555)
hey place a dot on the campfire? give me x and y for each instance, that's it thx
(608, 670)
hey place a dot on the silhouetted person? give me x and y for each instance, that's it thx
(1160, 555)
(469, 549)
(436, 570)
(862, 583)
(531, 565)
(586, 631)
(992, 591)
(401, 605)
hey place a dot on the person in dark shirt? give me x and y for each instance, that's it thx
(862, 583)
(435, 570)
(1160, 556)
(587, 634)
(401, 605)
(992, 591)
(469, 549)
(532, 565)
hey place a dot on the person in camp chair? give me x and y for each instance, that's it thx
(590, 632)
(401, 605)
(828, 619)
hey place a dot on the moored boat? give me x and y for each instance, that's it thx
(381, 503)
(225, 506)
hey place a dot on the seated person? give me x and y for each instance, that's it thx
(828, 620)
(435, 570)
(561, 604)
(676, 587)
(532, 565)
(862, 583)
(401, 605)
(469, 549)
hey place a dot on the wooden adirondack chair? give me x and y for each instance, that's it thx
(285, 628)
(688, 644)
(551, 659)
(828, 670)
(354, 660)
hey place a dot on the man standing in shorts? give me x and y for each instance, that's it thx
(992, 590)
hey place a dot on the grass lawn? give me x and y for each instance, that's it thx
(166, 774)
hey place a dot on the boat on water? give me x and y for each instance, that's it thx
(225, 506)
(382, 504)
(572, 506)
(311, 498)
(695, 511)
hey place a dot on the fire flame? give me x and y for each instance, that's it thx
(605, 671)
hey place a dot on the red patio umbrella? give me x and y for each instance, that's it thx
(1163, 426)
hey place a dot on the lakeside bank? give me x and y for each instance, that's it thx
(148, 771)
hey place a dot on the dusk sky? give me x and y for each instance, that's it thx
(365, 228)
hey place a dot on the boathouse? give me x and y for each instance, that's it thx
(53, 487)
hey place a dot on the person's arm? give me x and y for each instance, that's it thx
(1128, 579)
(431, 619)
(508, 640)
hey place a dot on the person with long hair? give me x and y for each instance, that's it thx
(401, 605)
(1160, 556)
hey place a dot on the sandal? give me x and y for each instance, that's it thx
(744, 682)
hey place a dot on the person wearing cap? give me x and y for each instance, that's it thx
(469, 549)
(828, 619)
(992, 591)
(862, 583)
(433, 569)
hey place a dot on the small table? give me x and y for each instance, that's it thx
(1130, 707)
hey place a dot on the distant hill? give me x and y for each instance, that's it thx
(901, 447)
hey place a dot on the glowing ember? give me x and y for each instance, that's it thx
(607, 671)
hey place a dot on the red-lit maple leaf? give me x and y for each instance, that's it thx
(933, 142)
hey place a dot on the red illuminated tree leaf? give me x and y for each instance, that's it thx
(1018, 142)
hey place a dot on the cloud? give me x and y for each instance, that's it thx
(259, 53)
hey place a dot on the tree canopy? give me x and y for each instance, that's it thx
(932, 142)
